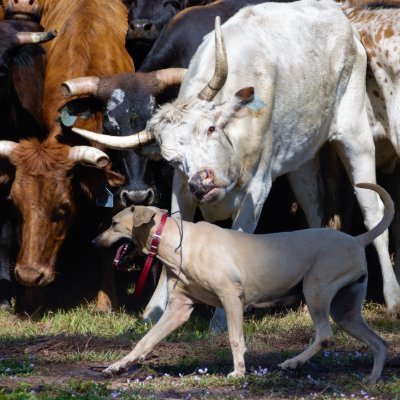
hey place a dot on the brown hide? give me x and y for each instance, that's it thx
(366, 3)
(44, 193)
(91, 41)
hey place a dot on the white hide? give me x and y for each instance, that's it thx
(305, 63)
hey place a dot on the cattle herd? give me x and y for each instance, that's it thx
(105, 104)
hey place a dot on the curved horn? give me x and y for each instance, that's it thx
(117, 142)
(6, 148)
(87, 85)
(35, 37)
(89, 155)
(169, 76)
(221, 66)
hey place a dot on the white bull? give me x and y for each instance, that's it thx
(308, 69)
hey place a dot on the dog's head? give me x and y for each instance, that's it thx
(128, 233)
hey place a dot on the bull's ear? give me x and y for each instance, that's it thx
(235, 107)
(142, 215)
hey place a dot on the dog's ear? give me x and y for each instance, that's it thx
(142, 215)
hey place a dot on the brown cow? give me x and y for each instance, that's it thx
(90, 42)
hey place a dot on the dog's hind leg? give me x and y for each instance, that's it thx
(177, 312)
(346, 312)
(233, 306)
(318, 300)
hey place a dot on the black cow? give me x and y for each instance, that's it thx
(128, 100)
(22, 66)
(146, 21)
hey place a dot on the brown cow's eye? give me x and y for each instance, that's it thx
(210, 130)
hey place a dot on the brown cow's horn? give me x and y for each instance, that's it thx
(118, 142)
(6, 148)
(87, 85)
(35, 37)
(89, 155)
(169, 77)
(221, 66)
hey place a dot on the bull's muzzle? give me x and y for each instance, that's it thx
(143, 29)
(33, 275)
(202, 183)
(137, 197)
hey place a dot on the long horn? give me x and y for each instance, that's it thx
(221, 66)
(169, 76)
(89, 155)
(118, 142)
(87, 85)
(35, 37)
(6, 148)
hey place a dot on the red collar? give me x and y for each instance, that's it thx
(149, 260)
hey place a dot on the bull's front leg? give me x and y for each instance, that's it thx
(246, 221)
(177, 312)
(180, 202)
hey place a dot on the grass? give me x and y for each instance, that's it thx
(60, 356)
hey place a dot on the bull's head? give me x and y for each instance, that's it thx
(49, 178)
(191, 134)
(27, 10)
(127, 102)
(146, 20)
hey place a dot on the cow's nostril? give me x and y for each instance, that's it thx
(148, 26)
(39, 279)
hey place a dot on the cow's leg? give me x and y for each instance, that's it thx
(305, 183)
(246, 221)
(181, 203)
(358, 156)
(177, 312)
(393, 180)
(353, 138)
(6, 238)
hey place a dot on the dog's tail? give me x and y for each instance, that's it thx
(368, 237)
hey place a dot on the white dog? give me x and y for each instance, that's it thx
(222, 267)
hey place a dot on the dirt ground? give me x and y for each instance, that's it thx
(177, 370)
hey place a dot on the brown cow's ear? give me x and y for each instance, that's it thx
(142, 215)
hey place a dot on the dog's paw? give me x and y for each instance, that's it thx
(290, 364)
(114, 369)
(236, 374)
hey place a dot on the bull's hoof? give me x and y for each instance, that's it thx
(218, 322)
(152, 316)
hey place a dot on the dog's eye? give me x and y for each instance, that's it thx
(114, 224)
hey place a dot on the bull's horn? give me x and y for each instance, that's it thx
(87, 85)
(117, 142)
(6, 148)
(89, 155)
(169, 77)
(221, 66)
(35, 37)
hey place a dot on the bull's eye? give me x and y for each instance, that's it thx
(210, 130)
(64, 207)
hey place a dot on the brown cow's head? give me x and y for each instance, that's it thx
(45, 192)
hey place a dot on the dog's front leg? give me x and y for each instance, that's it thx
(177, 312)
(233, 306)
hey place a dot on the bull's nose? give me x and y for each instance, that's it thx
(29, 276)
(141, 25)
(135, 197)
(197, 190)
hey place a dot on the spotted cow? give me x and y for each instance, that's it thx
(379, 26)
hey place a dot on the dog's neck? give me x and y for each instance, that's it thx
(170, 247)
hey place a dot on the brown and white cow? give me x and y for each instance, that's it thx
(379, 28)
(227, 146)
